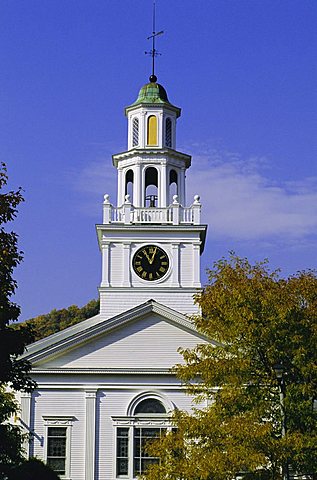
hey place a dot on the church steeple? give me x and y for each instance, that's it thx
(151, 240)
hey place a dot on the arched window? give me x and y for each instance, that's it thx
(129, 184)
(168, 132)
(150, 405)
(173, 185)
(138, 430)
(135, 132)
(152, 130)
(151, 187)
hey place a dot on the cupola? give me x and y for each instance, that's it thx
(152, 118)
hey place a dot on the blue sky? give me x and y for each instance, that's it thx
(243, 72)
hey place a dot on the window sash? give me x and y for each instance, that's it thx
(56, 449)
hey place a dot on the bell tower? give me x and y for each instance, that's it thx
(150, 240)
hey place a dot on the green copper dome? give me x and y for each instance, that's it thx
(153, 93)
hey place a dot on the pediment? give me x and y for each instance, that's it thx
(147, 336)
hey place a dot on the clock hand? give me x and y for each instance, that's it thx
(148, 258)
(152, 259)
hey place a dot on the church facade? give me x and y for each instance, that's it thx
(104, 386)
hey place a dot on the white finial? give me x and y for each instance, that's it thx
(106, 198)
(196, 199)
(175, 199)
(127, 198)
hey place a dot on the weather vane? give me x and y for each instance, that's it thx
(154, 53)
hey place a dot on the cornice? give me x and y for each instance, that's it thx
(183, 227)
(102, 371)
(139, 153)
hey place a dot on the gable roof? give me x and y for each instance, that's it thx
(93, 327)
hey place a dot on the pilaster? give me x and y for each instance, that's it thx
(25, 418)
(90, 398)
(105, 264)
(175, 266)
(196, 265)
(126, 265)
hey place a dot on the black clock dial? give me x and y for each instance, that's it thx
(150, 262)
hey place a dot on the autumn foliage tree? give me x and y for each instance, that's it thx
(256, 320)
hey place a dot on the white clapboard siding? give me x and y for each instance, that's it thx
(61, 403)
(187, 264)
(147, 343)
(116, 260)
(114, 303)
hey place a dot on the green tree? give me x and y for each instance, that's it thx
(57, 320)
(256, 320)
(13, 371)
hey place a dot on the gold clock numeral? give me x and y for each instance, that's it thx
(144, 274)
(164, 263)
(163, 256)
(138, 263)
(157, 274)
(151, 250)
(162, 269)
(139, 269)
(150, 276)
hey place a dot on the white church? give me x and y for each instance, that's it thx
(104, 386)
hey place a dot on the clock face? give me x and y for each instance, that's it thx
(150, 262)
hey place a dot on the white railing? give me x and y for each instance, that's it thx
(152, 215)
(174, 214)
(187, 215)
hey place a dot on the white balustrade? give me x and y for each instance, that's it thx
(175, 214)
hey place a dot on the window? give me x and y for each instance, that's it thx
(141, 459)
(152, 130)
(147, 419)
(149, 405)
(57, 451)
(168, 132)
(122, 451)
(135, 132)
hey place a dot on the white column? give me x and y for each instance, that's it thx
(105, 279)
(196, 265)
(137, 186)
(174, 133)
(181, 187)
(160, 130)
(121, 192)
(175, 266)
(142, 186)
(162, 186)
(90, 396)
(143, 129)
(25, 419)
(126, 265)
